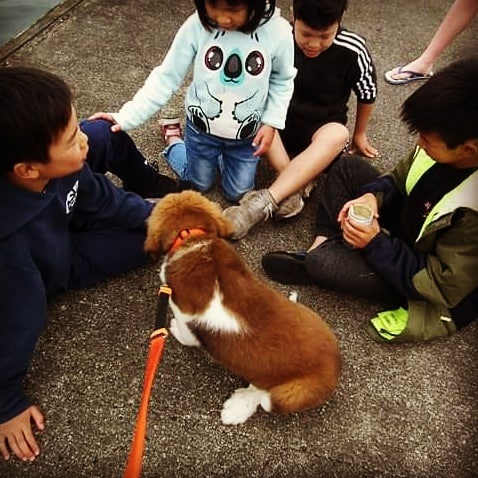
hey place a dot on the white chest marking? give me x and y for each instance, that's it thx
(216, 317)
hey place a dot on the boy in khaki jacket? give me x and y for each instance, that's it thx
(420, 252)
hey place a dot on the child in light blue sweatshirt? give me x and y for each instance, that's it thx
(243, 71)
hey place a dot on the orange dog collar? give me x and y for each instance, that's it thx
(184, 234)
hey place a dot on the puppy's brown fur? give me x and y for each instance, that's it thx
(282, 347)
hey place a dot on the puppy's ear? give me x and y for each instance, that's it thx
(214, 216)
(209, 215)
(154, 256)
(153, 244)
(225, 227)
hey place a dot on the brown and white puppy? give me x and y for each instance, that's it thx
(284, 350)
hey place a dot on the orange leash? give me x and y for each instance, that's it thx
(158, 337)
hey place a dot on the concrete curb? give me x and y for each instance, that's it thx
(46, 21)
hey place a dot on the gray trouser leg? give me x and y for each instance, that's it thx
(344, 180)
(335, 265)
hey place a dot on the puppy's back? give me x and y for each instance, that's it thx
(283, 344)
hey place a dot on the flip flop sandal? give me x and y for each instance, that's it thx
(411, 76)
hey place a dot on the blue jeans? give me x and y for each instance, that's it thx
(203, 155)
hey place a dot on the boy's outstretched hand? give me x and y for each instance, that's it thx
(115, 127)
(16, 435)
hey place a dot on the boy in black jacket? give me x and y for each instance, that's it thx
(331, 62)
(63, 225)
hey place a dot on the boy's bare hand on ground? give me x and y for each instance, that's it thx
(361, 145)
(263, 139)
(16, 435)
(115, 127)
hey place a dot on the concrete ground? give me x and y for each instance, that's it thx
(400, 411)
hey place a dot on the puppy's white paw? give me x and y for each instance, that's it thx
(241, 405)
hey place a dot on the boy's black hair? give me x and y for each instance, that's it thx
(35, 107)
(319, 14)
(258, 11)
(447, 104)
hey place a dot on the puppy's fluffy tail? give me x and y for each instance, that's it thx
(302, 393)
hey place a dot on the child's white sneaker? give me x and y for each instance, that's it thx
(290, 207)
(254, 207)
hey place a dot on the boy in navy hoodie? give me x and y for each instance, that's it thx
(63, 224)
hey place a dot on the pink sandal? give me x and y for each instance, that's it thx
(171, 127)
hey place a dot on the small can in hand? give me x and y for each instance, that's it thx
(360, 214)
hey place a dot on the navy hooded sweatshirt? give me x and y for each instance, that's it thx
(35, 259)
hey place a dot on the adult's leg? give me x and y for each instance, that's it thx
(458, 17)
(117, 153)
(102, 254)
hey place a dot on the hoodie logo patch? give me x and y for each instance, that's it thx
(71, 198)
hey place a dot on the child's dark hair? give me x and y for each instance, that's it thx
(447, 104)
(258, 11)
(35, 107)
(319, 14)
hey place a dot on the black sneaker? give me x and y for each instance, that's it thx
(161, 186)
(286, 267)
(184, 185)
